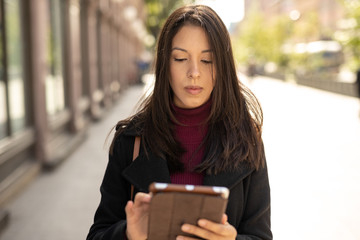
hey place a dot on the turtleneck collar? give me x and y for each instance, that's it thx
(193, 116)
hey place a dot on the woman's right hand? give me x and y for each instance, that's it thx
(137, 215)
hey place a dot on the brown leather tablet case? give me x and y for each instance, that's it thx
(169, 210)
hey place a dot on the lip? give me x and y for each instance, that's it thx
(194, 90)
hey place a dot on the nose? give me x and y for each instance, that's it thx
(194, 71)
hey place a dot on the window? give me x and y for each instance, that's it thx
(12, 100)
(3, 112)
(55, 94)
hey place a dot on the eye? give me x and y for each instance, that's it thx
(179, 59)
(206, 61)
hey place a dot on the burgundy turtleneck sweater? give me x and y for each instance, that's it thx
(190, 133)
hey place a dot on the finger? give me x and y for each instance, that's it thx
(128, 207)
(220, 229)
(197, 231)
(185, 238)
(224, 218)
(141, 198)
(215, 227)
(131, 208)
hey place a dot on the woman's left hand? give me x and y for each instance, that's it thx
(209, 230)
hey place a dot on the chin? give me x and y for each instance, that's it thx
(190, 104)
(194, 105)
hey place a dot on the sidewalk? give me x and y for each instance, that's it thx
(60, 205)
(312, 141)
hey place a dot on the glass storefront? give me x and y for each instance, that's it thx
(99, 49)
(15, 78)
(3, 112)
(46, 105)
(55, 93)
(85, 91)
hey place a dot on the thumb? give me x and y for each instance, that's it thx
(224, 219)
(128, 207)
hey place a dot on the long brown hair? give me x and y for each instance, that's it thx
(235, 120)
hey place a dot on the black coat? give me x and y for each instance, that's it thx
(248, 206)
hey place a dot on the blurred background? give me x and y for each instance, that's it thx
(70, 69)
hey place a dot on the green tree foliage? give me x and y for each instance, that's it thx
(350, 36)
(158, 11)
(307, 28)
(13, 35)
(261, 40)
(264, 39)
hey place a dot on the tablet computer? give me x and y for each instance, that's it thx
(172, 205)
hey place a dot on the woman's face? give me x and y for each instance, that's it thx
(192, 67)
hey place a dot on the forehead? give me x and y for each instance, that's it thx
(191, 36)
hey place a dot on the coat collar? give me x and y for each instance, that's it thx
(143, 171)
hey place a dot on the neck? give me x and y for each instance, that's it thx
(194, 116)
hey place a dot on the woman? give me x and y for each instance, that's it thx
(199, 126)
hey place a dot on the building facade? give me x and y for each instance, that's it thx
(63, 63)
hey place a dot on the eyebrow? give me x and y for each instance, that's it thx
(184, 50)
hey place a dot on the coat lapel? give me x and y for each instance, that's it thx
(143, 171)
(228, 179)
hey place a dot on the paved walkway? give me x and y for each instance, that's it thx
(312, 141)
(60, 205)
